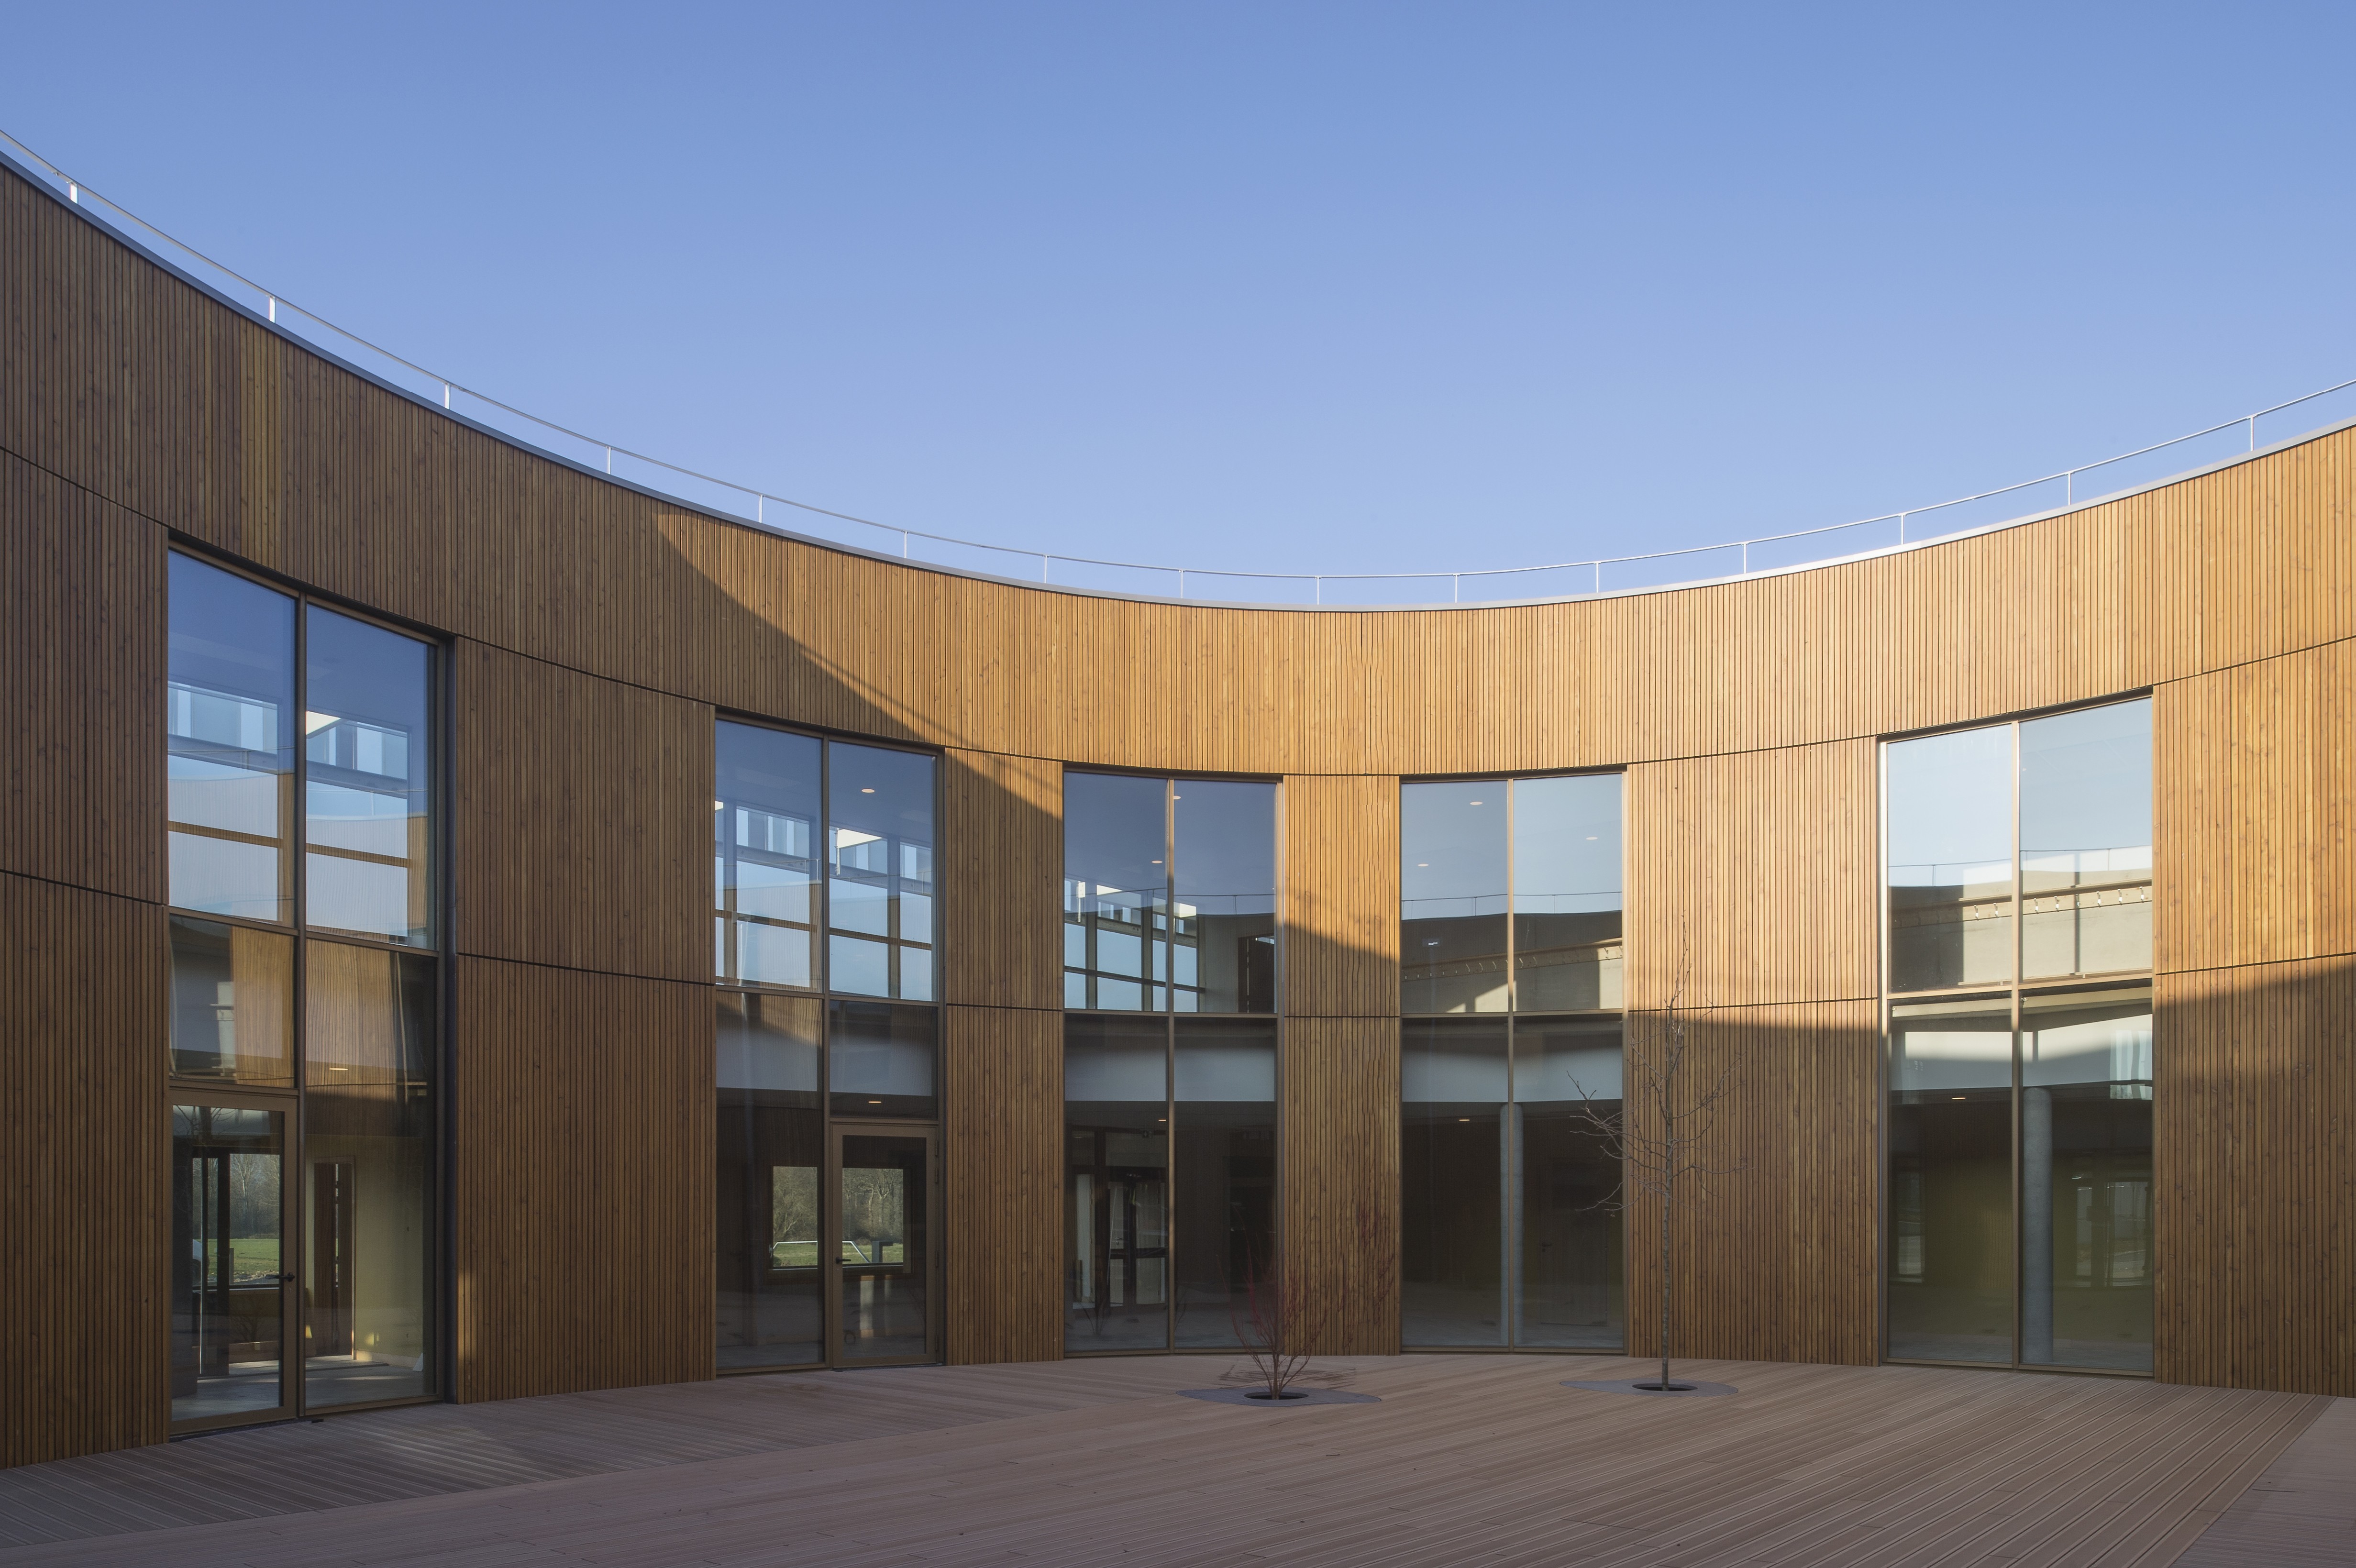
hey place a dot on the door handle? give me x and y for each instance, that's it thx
(286, 1279)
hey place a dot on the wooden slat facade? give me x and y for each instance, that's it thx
(2255, 1101)
(1002, 1144)
(1779, 1253)
(1755, 878)
(581, 1169)
(580, 819)
(1341, 892)
(594, 631)
(1341, 1155)
(83, 1137)
(82, 682)
(1001, 858)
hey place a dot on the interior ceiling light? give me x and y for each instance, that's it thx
(1476, 803)
(867, 791)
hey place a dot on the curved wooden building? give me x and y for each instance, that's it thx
(585, 638)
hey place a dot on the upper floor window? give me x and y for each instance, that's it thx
(2022, 851)
(229, 728)
(234, 720)
(1510, 895)
(822, 865)
(1169, 895)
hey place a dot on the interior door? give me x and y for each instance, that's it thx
(231, 1268)
(883, 1251)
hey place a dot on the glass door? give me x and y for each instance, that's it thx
(882, 1253)
(231, 1273)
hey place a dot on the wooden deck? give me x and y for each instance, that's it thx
(1467, 1460)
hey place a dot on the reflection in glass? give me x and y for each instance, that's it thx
(1567, 950)
(229, 1302)
(1117, 1168)
(2085, 1179)
(1223, 954)
(769, 1288)
(2085, 841)
(1452, 1090)
(1950, 827)
(1568, 1285)
(1223, 1201)
(880, 873)
(1116, 892)
(885, 1278)
(229, 727)
(232, 1003)
(368, 1149)
(879, 1060)
(365, 779)
(764, 865)
(1452, 886)
(1950, 1245)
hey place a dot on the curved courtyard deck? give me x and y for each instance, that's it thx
(1468, 1460)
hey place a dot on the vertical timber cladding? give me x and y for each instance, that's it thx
(582, 1095)
(84, 985)
(583, 1112)
(2255, 1031)
(81, 683)
(1341, 1150)
(84, 1001)
(1002, 855)
(1753, 906)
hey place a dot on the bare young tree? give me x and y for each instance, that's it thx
(1279, 1312)
(1272, 1323)
(1661, 1135)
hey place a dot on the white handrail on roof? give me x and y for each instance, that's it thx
(752, 504)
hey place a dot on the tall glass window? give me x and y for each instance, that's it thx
(764, 857)
(368, 1071)
(1510, 992)
(879, 873)
(823, 950)
(1116, 1196)
(230, 718)
(1169, 895)
(770, 1292)
(1170, 1111)
(2019, 1124)
(304, 1010)
(365, 754)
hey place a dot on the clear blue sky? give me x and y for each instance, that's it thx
(1298, 286)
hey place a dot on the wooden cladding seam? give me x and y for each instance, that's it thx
(582, 1131)
(1003, 1137)
(1002, 849)
(581, 821)
(2254, 802)
(1341, 895)
(2254, 1109)
(84, 1000)
(82, 682)
(1341, 1186)
(1776, 1259)
(1755, 878)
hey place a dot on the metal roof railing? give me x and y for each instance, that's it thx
(745, 503)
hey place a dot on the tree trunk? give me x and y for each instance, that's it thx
(1668, 1202)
